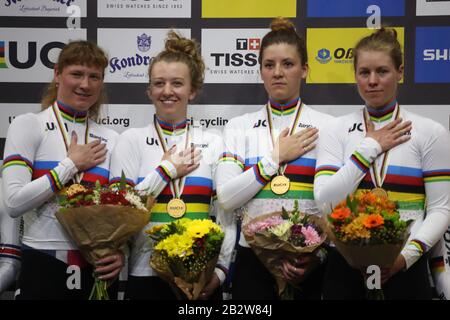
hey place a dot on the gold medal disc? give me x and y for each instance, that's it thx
(280, 185)
(176, 208)
(380, 192)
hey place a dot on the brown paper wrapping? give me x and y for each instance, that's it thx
(192, 289)
(101, 230)
(362, 256)
(270, 250)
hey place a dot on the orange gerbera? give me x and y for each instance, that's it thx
(340, 214)
(373, 221)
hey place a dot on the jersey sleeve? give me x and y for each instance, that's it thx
(22, 193)
(236, 184)
(436, 176)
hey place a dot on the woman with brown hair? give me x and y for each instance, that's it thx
(44, 152)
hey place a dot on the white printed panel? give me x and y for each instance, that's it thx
(129, 58)
(231, 55)
(43, 8)
(8, 111)
(144, 8)
(29, 53)
(438, 113)
(210, 117)
(432, 8)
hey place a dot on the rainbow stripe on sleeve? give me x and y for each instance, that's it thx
(438, 175)
(17, 160)
(360, 161)
(231, 157)
(326, 170)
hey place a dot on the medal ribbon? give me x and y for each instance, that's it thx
(282, 168)
(65, 135)
(379, 176)
(178, 184)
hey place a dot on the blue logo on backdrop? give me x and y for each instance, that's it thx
(144, 42)
(432, 58)
(323, 56)
(354, 8)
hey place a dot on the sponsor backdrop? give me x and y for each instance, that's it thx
(32, 32)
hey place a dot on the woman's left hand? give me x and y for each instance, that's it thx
(387, 273)
(298, 270)
(108, 268)
(210, 287)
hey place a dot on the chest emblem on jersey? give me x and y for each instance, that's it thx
(260, 123)
(356, 126)
(152, 141)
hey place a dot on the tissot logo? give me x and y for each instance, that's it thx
(234, 59)
(248, 44)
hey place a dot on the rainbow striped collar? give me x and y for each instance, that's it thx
(383, 114)
(285, 108)
(172, 129)
(70, 114)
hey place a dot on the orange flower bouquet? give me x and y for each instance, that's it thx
(367, 230)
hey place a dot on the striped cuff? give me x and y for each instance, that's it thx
(260, 174)
(10, 251)
(55, 183)
(413, 251)
(169, 169)
(221, 273)
(17, 160)
(360, 162)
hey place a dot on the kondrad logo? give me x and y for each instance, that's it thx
(143, 43)
(340, 55)
(239, 59)
(31, 56)
(436, 54)
(66, 2)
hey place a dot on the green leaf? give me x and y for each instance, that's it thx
(123, 182)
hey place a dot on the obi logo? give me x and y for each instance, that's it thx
(31, 56)
(323, 56)
(143, 44)
(340, 55)
(248, 44)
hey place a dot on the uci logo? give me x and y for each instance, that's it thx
(260, 123)
(152, 141)
(356, 126)
(29, 59)
(50, 126)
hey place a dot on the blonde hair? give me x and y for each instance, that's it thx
(381, 40)
(283, 31)
(78, 53)
(180, 49)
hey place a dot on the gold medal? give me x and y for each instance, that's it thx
(380, 192)
(280, 184)
(176, 208)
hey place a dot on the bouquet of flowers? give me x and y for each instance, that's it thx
(283, 235)
(186, 252)
(100, 220)
(367, 230)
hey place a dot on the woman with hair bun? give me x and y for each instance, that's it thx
(397, 153)
(173, 161)
(276, 142)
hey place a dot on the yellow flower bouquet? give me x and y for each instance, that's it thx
(186, 252)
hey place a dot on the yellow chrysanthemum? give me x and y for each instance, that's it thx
(356, 229)
(155, 229)
(176, 245)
